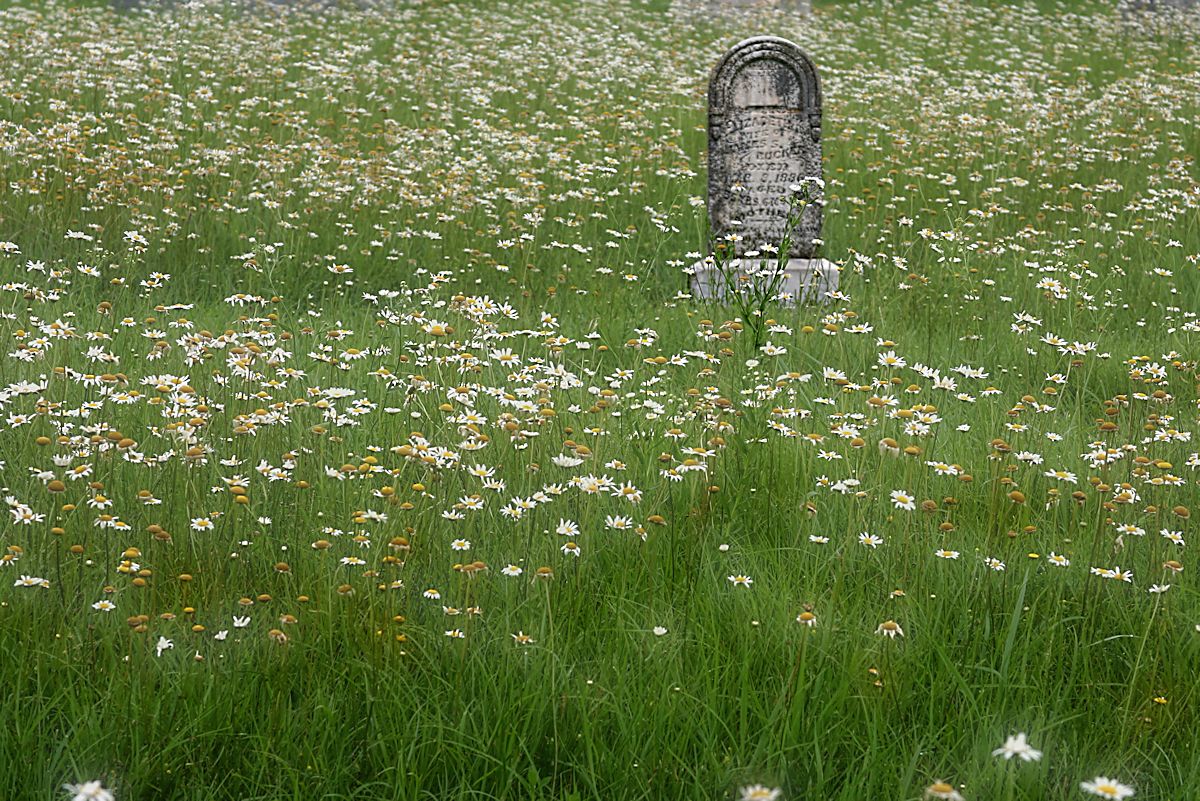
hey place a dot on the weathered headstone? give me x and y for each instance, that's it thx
(764, 154)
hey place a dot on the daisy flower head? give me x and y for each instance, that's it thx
(903, 500)
(1018, 746)
(618, 522)
(1105, 787)
(890, 629)
(1113, 573)
(741, 581)
(1062, 475)
(89, 791)
(943, 790)
(759, 792)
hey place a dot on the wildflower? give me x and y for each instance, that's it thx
(1058, 560)
(759, 792)
(1107, 788)
(902, 500)
(890, 629)
(456, 634)
(1017, 746)
(942, 790)
(943, 553)
(1175, 537)
(163, 644)
(511, 570)
(104, 606)
(89, 791)
(25, 515)
(870, 540)
(1114, 573)
(741, 581)
(659, 631)
(807, 618)
(521, 638)
(628, 492)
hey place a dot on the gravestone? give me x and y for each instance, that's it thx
(764, 155)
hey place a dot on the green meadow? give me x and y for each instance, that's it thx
(360, 437)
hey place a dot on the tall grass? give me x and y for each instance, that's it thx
(200, 199)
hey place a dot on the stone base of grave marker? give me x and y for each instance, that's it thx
(801, 6)
(718, 8)
(805, 280)
(1129, 6)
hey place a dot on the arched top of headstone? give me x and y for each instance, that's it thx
(766, 72)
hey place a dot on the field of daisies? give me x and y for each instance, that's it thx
(360, 438)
